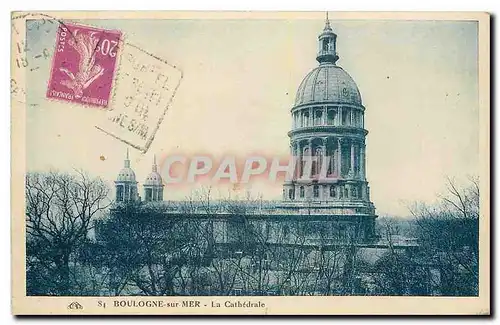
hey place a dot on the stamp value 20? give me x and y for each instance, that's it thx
(83, 64)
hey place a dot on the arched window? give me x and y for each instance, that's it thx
(318, 115)
(326, 44)
(331, 116)
(332, 190)
(149, 194)
(119, 193)
(346, 192)
(126, 193)
(345, 116)
(306, 153)
(290, 194)
(316, 191)
(353, 191)
(302, 191)
(341, 193)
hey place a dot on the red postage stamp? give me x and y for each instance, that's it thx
(84, 64)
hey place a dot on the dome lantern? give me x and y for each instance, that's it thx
(328, 82)
(327, 52)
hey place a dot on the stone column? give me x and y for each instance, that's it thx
(297, 156)
(333, 152)
(325, 115)
(351, 169)
(311, 116)
(299, 160)
(339, 158)
(339, 116)
(362, 161)
(325, 154)
(311, 154)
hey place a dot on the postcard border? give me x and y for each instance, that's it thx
(334, 305)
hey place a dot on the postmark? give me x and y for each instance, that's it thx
(25, 59)
(145, 88)
(83, 64)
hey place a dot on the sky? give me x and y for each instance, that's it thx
(418, 81)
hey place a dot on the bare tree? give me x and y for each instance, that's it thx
(60, 210)
(449, 236)
(398, 272)
(147, 247)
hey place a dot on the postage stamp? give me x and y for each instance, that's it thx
(95, 66)
(83, 64)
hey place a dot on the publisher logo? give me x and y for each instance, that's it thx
(75, 305)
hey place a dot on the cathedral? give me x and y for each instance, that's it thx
(322, 228)
(327, 121)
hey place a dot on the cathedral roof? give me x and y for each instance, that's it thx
(154, 178)
(126, 175)
(328, 83)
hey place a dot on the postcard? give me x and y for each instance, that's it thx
(250, 163)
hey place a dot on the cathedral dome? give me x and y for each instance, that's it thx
(154, 179)
(126, 175)
(328, 83)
